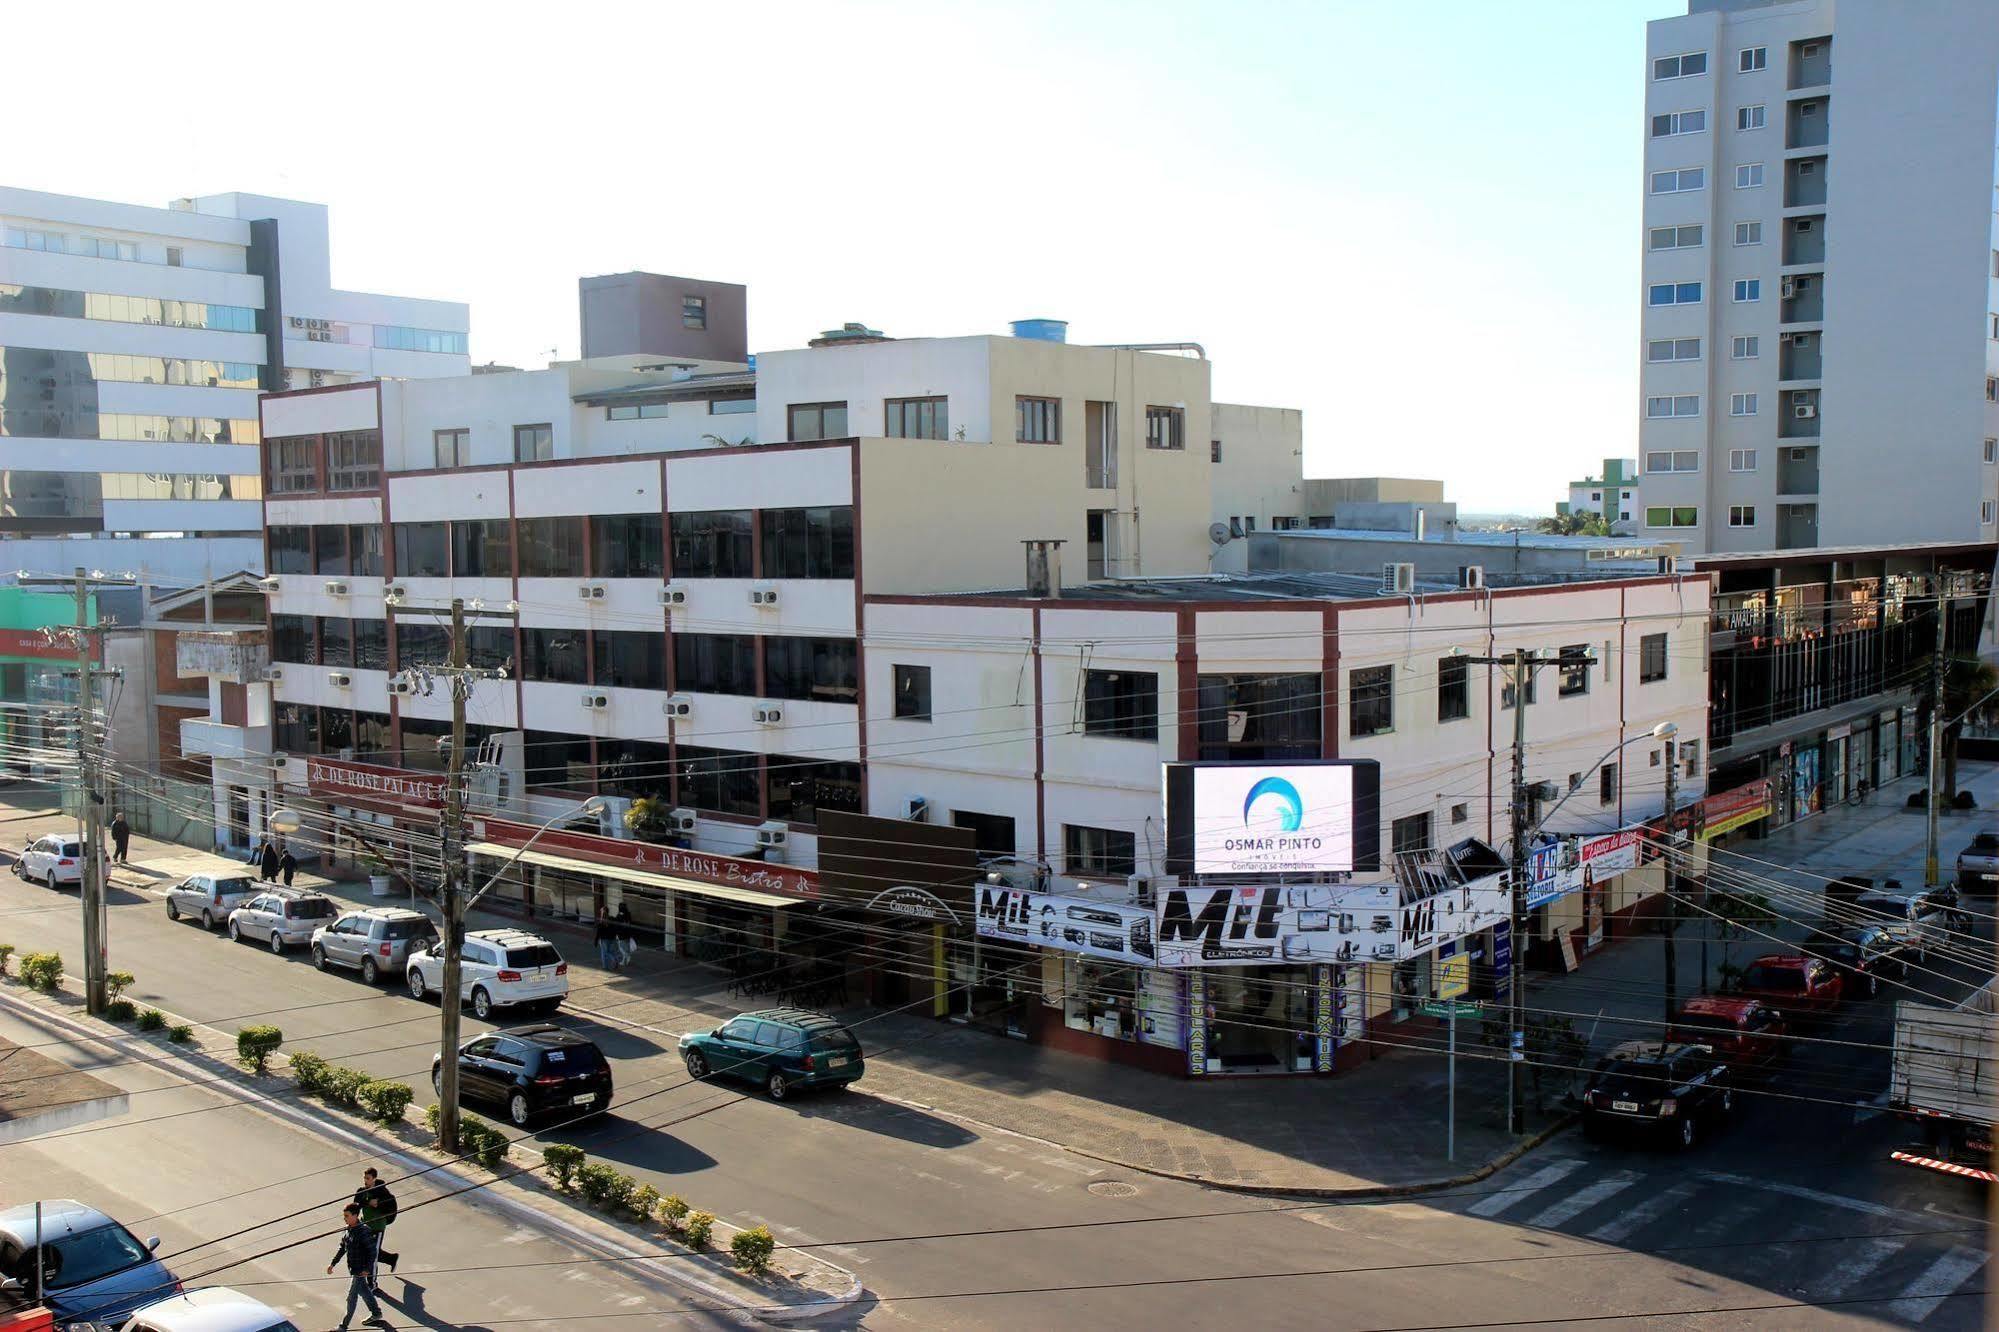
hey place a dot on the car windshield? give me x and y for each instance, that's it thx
(534, 955)
(235, 886)
(1985, 842)
(88, 1255)
(311, 908)
(839, 1041)
(407, 929)
(1789, 980)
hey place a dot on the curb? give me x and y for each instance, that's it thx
(315, 1120)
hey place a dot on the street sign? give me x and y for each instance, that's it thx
(1454, 976)
(1452, 1008)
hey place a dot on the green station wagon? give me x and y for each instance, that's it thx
(783, 1048)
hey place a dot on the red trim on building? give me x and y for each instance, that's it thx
(704, 866)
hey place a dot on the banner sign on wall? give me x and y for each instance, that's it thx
(1562, 865)
(1072, 924)
(1245, 926)
(337, 780)
(734, 871)
(1732, 809)
(1324, 1014)
(1453, 913)
(1264, 818)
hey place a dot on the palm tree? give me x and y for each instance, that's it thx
(1575, 522)
(1968, 686)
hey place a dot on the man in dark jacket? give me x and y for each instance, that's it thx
(357, 1246)
(287, 864)
(268, 865)
(378, 1209)
(121, 836)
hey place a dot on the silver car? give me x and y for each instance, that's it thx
(375, 942)
(209, 898)
(282, 919)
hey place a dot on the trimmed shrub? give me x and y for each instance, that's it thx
(42, 971)
(673, 1211)
(487, 1144)
(1918, 799)
(121, 1010)
(595, 1182)
(6, 951)
(700, 1228)
(116, 983)
(752, 1249)
(431, 1113)
(386, 1101)
(256, 1045)
(180, 1033)
(343, 1085)
(309, 1071)
(151, 1019)
(1964, 800)
(618, 1194)
(644, 1202)
(562, 1161)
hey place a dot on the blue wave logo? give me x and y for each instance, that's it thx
(1290, 809)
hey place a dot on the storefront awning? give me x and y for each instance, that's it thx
(668, 882)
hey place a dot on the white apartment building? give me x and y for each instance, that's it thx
(133, 344)
(1820, 347)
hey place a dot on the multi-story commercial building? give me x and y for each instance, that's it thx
(133, 344)
(1820, 347)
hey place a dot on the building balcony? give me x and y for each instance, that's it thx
(1800, 356)
(201, 737)
(1802, 299)
(1808, 123)
(1811, 64)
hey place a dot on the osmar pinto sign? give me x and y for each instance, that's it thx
(1273, 818)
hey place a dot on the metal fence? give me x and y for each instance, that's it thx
(162, 808)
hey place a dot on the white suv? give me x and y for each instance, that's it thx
(497, 969)
(51, 860)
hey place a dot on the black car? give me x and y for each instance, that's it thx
(1672, 1092)
(1865, 955)
(533, 1072)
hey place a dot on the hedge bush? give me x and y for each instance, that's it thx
(485, 1143)
(753, 1248)
(6, 951)
(256, 1045)
(430, 1115)
(42, 971)
(562, 1161)
(343, 1086)
(116, 983)
(386, 1101)
(180, 1033)
(309, 1071)
(595, 1182)
(644, 1202)
(151, 1019)
(121, 1010)
(673, 1211)
(700, 1227)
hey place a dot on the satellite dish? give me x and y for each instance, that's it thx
(1218, 533)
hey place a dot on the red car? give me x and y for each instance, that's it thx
(1747, 1034)
(1797, 986)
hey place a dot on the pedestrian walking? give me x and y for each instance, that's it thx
(121, 837)
(628, 935)
(357, 1246)
(378, 1212)
(607, 943)
(287, 864)
(268, 862)
(256, 856)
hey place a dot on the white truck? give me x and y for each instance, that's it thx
(1945, 1078)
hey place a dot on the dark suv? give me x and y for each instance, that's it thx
(532, 1072)
(1863, 954)
(1672, 1092)
(781, 1048)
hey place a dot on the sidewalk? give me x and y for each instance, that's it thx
(1379, 1128)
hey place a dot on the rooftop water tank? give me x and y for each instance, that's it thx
(1042, 330)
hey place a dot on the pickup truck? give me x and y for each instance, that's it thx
(1799, 987)
(1978, 864)
(1943, 1077)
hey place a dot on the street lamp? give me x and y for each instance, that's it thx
(286, 821)
(1663, 731)
(594, 805)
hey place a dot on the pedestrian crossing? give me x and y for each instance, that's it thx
(1864, 1257)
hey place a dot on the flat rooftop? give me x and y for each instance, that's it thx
(1474, 540)
(1250, 588)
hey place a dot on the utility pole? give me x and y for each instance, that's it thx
(452, 898)
(1671, 924)
(1930, 868)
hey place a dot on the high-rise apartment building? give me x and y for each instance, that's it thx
(133, 344)
(1820, 325)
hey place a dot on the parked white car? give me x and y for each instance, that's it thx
(209, 898)
(497, 969)
(282, 919)
(53, 861)
(212, 1309)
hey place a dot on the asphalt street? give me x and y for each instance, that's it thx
(953, 1226)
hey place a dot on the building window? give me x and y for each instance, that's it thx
(1606, 784)
(354, 460)
(808, 543)
(1749, 117)
(715, 663)
(1682, 404)
(823, 670)
(1676, 238)
(555, 656)
(816, 420)
(1752, 58)
(1678, 122)
(1461, 813)
(723, 780)
(1742, 515)
(454, 447)
(627, 545)
(1991, 389)
(290, 549)
(423, 550)
(1100, 853)
(1745, 347)
(1672, 517)
(1673, 349)
(551, 547)
(1673, 293)
(1741, 404)
(1651, 658)
(1122, 704)
(1573, 665)
(1410, 835)
(731, 406)
(1680, 181)
(1214, 450)
(294, 464)
(912, 693)
(638, 411)
(1749, 176)
(1165, 428)
(992, 834)
(1371, 701)
(1690, 752)
(1748, 233)
(1506, 689)
(1037, 420)
(1985, 513)
(694, 312)
(916, 418)
(534, 443)
(1453, 689)
(796, 789)
(712, 544)
(1680, 66)
(1742, 460)
(482, 548)
(371, 644)
(1258, 717)
(1748, 289)
(1994, 325)
(1676, 460)
(291, 638)
(628, 659)
(1992, 450)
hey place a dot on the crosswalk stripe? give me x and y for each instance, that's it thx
(1857, 1265)
(1511, 1195)
(1920, 1298)
(1573, 1206)
(1621, 1228)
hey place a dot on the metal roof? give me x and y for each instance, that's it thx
(689, 387)
(1279, 587)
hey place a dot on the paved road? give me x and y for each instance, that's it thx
(953, 1227)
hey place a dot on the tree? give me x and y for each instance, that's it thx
(1968, 685)
(647, 818)
(1575, 523)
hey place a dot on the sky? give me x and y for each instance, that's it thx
(1418, 222)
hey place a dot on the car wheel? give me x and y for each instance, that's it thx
(208, 921)
(437, 1081)
(173, 912)
(319, 957)
(777, 1086)
(697, 1065)
(482, 1003)
(53, 885)
(517, 1110)
(369, 971)
(1687, 1132)
(418, 990)
(236, 933)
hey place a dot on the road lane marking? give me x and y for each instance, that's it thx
(1573, 1206)
(1856, 1265)
(1920, 1298)
(1811, 1195)
(1621, 1228)
(1515, 1194)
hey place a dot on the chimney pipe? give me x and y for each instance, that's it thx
(1044, 568)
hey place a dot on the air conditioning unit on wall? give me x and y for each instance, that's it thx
(1399, 578)
(596, 702)
(772, 833)
(767, 714)
(763, 595)
(673, 594)
(678, 705)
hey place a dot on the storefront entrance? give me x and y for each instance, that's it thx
(1260, 1021)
